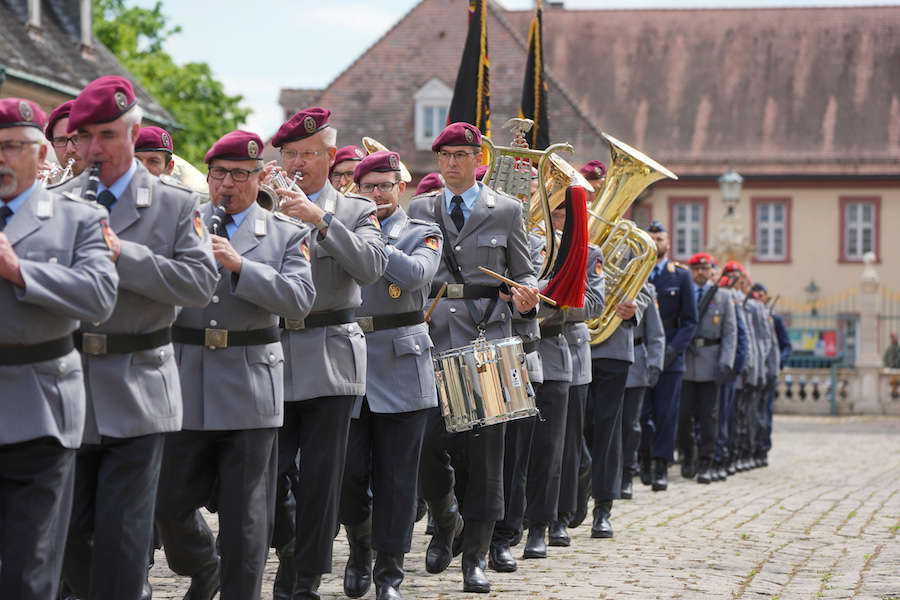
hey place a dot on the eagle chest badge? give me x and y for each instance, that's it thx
(394, 291)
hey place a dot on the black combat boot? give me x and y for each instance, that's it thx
(388, 576)
(476, 541)
(558, 534)
(536, 545)
(705, 472)
(358, 572)
(602, 527)
(447, 525)
(660, 471)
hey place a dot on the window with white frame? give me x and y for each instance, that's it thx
(687, 219)
(771, 230)
(859, 229)
(432, 103)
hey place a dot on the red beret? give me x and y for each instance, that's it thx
(480, 171)
(432, 181)
(153, 139)
(236, 145)
(349, 153)
(595, 169)
(302, 125)
(457, 134)
(733, 265)
(383, 161)
(60, 112)
(16, 112)
(103, 100)
(701, 258)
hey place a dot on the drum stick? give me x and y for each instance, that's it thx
(512, 283)
(436, 298)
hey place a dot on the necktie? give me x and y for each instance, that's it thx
(225, 222)
(699, 294)
(107, 199)
(5, 213)
(456, 214)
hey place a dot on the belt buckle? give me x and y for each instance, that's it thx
(93, 343)
(455, 291)
(294, 325)
(367, 324)
(699, 342)
(215, 338)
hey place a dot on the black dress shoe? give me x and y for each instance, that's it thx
(705, 474)
(602, 528)
(306, 586)
(721, 473)
(660, 470)
(500, 558)
(388, 576)
(474, 579)
(447, 525)
(205, 584)
(558, 534)
(536, 545)
(627, 491)
(283, 586)
(358, 572)
(730, 468)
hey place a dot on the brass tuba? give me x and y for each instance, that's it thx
(629, 253)
(371, 145)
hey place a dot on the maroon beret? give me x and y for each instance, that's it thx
(153, 139)
(302, 125)
(103, 100)
(383, 161)
(349, 153)
(480, 171)
(60, 112)
(16, 112)
(457, 134)
(236, 145)
(595, 169)
(432, 181)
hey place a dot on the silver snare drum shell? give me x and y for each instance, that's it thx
(483, 384)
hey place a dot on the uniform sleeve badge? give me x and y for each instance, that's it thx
(198, 224)
(598, 267)
(104, 226)
(671, 267)
(304, 249)
(374, 220)
(433, 242)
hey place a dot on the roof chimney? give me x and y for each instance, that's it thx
(87, 27)
(33, 25)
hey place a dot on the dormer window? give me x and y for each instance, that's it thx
(432, 103)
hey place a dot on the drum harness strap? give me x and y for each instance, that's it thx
(453, 267)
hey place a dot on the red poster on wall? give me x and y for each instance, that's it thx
(830, 340)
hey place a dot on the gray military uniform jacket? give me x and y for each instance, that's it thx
(242, 387)
(493, 237)
(651, 353)
(576, 331)
(331, 361)
(69, 276)
(765, 339)
(166, 262)
(400, 372)
(750, 374)
(528, 329)
(704, 362)
(620, 345)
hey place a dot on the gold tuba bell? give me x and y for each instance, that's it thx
(629, 253)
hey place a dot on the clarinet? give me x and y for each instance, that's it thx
(216, 226)
(93, 183)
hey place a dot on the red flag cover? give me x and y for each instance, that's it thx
(567, 277)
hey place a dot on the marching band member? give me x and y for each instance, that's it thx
(133, 390)
(429, 183)
(231, 364)
(481, 228)
(55, 269)
(386, 436)
(154, 149)
(64, 144)
(325, 368)
(345, 161)
(767, 342)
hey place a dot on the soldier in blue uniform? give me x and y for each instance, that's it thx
(678, 311)
(378, 497)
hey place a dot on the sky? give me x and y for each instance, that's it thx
(256, 48)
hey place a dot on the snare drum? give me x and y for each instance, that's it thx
(484, 383)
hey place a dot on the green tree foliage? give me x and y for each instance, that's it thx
(189, 92)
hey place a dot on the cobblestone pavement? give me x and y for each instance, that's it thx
(820, 522)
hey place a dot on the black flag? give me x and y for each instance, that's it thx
(534, 90)
(471, 96)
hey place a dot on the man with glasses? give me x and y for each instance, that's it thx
(481, 228)
(54, 270)
(64, 143)
(154, 149)
(133, 392)
(345, 161)
(378, 498)
(231, 364)
(325, 368)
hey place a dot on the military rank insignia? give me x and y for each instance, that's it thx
(433, 242)
(107, 237)
(198, 224)
(374, 221)
(304, 249)
(599, 267)
(394, 291)
(671, 268)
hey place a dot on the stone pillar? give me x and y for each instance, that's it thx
(868, 365)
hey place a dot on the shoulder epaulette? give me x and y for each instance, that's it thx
(171, 181)
(357, 196)
(428, 194)
(682, 266)
(72, 197)
(423, 222)
(287, 219)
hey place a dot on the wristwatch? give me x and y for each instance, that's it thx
(324, 222)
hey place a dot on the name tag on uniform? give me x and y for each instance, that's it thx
(143, 198)
(489, 201)
(259, 227)
(76, 191)
(44, 209)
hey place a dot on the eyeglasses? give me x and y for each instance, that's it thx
(14, 147)
(384, 187)
(341, 175)
(305, 155)
(63, 141)
(458, 156)
(237, 174)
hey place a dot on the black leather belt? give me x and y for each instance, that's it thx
(456, 291)
(22, 354)
(703, 342)
(115, 343)
(671, 323)
(529, 347)
(638, 341)
(548, 331)
(224, 338)
(379, 322)
(334, 317)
